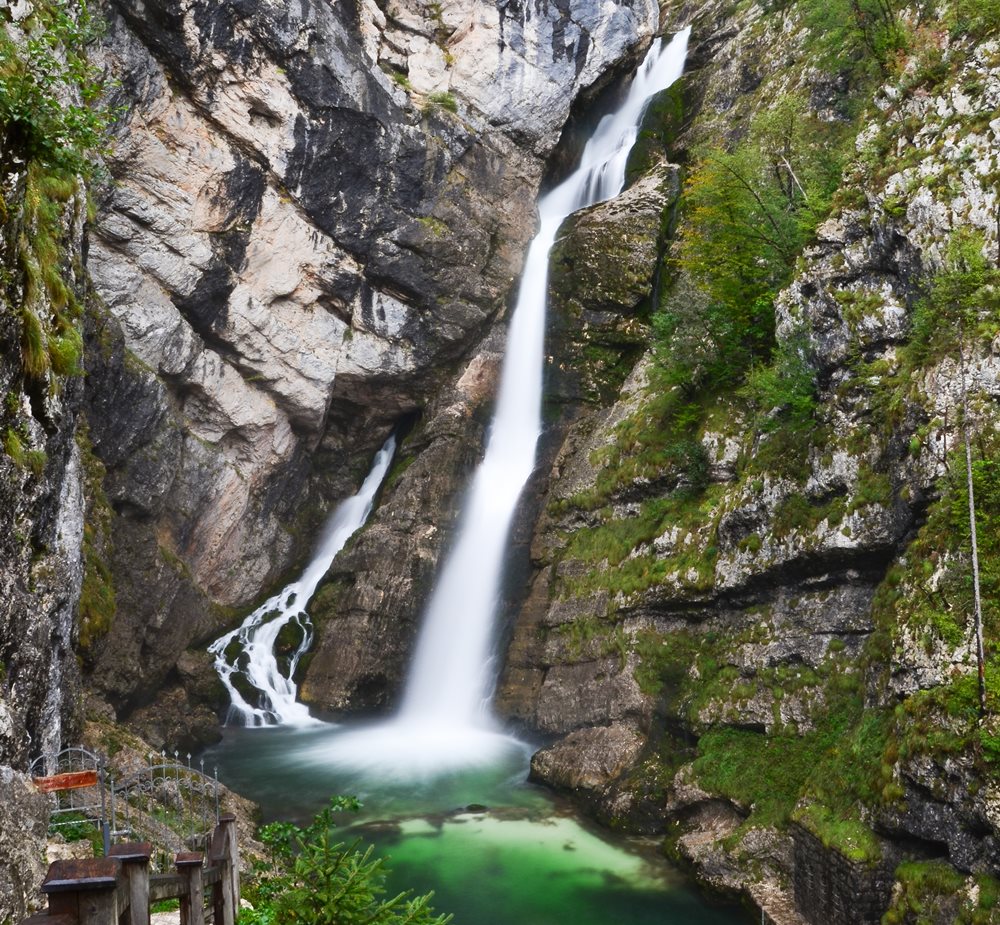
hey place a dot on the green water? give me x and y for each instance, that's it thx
(527, 859)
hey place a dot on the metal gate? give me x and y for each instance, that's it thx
(165, 802)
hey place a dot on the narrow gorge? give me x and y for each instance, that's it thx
(261, 266)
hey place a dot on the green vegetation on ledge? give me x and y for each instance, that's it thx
(48, 87)
(97, 594)
(933, 891)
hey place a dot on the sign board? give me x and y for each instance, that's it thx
(73, 780)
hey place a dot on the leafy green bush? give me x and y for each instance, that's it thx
(312, 879)
(48, 88)
(859, 36)
(972, 17)
(964, 300)
(783, 391)
(747, 214)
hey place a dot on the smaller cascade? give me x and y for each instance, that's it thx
(249, 650)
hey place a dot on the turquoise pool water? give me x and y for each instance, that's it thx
(494, 849)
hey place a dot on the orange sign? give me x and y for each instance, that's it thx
(74, 780)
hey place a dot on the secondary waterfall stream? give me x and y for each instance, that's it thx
(255, 638)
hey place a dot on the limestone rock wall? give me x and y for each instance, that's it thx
(23, 821)
(42, 501)
(43, 497)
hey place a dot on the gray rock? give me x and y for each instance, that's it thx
(588, 759)
(23, 824)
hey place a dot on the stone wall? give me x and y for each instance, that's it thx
(831, 889)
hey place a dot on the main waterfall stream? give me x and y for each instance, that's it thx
(443, 786)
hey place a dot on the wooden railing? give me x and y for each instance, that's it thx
(118, 889)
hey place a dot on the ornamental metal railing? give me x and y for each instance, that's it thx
(167, 801)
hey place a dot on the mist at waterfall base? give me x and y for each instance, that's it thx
(427, 776)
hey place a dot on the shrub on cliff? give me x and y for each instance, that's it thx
(48, 87)
(748, 211)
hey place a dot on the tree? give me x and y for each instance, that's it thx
(313, 879)
(747, 213)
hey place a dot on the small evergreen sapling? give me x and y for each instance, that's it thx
(311, 878)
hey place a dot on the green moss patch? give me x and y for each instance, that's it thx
(98, 601)
(933, 891)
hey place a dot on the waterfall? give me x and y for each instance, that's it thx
(445, 720)
(254, 640)
(452, 676)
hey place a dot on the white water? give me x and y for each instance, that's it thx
(445, 720)
(259, 631)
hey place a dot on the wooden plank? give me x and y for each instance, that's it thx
(193, 905)
(167, 886)
(95, 908)
(44, 918)
(83, 874)
(122, 897)
(211, 875)
(72, 780)
(135, 866)
(132, 851)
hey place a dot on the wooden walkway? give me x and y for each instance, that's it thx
(119, 888)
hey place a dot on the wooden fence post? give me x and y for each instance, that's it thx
(226, 853)
(189, 864)
(134, 857)
(84, 889)
(228, 822)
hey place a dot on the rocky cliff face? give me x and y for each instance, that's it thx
(43, 486)
(41, 474)
(309, 222)
(729, 598)
(316, 213)
(747, 624)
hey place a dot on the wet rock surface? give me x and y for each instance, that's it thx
(588, 759)
(42, 503)
(602, 269)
